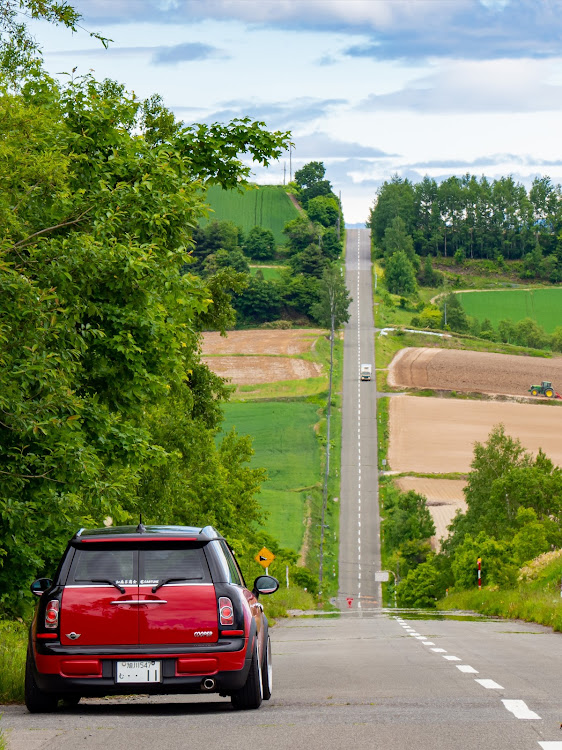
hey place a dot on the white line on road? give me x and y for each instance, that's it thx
(439, 650)
(520, 709)
(556, 745)
(489, 684)
(428, 643)
(451, 658)
(466, 668)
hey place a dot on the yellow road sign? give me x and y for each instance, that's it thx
(264, 557)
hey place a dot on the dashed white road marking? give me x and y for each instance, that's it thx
(520, 709)
(556, 745)
(439, 650)
(466, 668)
(489, 684)
(428, 643)
(451, 658)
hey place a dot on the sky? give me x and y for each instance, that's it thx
(371, 88)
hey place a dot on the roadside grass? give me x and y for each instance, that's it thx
(332, 515)
(383, 433)
(516, 604)
(280, 390)
(267, 206)
(536, 598)
(286, 599)
(13, 647)
(286, 445)
(542, 305)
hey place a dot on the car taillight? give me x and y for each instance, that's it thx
(52, 614)
(226, 611)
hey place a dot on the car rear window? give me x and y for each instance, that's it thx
(112, 565)
(187, 564)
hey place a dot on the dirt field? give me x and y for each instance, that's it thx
(444, 498)
(450, 369)
(437, 435)
(252, 368)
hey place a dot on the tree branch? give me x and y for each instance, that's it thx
(50, 229)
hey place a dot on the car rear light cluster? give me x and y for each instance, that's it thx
(226, 611)
(52, 614)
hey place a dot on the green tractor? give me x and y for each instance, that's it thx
(544, 389)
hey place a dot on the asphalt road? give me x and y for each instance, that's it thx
(366, 678)
(359, 517)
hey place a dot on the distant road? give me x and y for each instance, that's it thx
(359, 518)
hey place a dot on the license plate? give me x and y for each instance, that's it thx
(138, 671)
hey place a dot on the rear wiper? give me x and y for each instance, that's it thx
(108, 580)
(174, 580)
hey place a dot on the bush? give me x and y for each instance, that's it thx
(13, 647)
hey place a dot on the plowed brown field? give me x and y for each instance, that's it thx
(444, 498)
(437, 435)
(252, 368)
(452, 369)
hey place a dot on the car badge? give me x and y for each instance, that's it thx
(73, 636)
(202, 633)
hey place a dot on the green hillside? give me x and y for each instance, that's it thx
(266, 206)
(542, 305)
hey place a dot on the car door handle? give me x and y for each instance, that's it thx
(140, 601)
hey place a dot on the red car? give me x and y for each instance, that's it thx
(156, 609)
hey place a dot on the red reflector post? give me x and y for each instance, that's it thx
(226, 611)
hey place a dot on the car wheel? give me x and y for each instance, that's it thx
(267, 672)
(36, 700)
(250, 694)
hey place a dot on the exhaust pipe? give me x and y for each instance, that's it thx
(207, 684)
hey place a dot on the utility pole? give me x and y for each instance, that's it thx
(328, 415)
(290, 163)
(284, 171)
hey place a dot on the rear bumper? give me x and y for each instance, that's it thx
(92, 673)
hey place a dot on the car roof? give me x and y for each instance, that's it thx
(147, 533)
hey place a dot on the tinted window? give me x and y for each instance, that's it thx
(112, 565)
(182, 564)
(228, 566)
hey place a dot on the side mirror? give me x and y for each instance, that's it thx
(265, 585)
(41, 585)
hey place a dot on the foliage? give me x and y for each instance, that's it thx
(101, 319)
(423, 585)
(260, 301)
(300, 233)
(406, 518)
(497, 564)
(324, 210)
(13, 647)
(468, 217)
(311, 183)
(260, 244)
(332, 309)
(399, 274)
(453, 314)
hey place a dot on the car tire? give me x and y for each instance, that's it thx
(267, 672)
(249, 696)
(36, 700)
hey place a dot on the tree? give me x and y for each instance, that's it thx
(399, 274)
(100, 319)
(332, 309)
(324, 210)
(300, 233)
(309, 261)
(260, 301)
(396, 239)
(260, 244)
(497, 564)
(407, 518)
(311, 182)
(454, 315)
(422, 586)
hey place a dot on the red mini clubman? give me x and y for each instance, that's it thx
(155, 609)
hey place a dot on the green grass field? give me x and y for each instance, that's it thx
(267, 206)
(286, 445)
(269, 273)
(542, 305)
